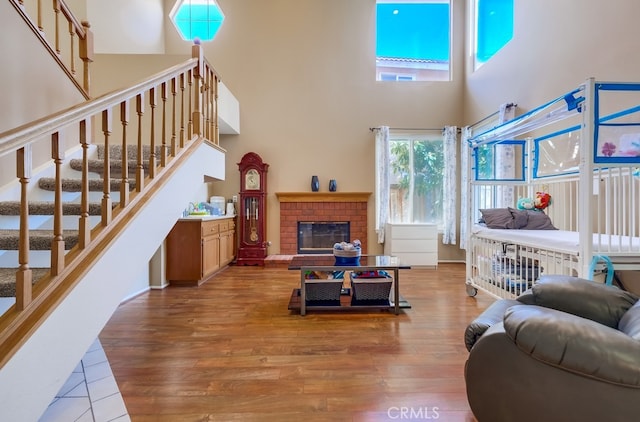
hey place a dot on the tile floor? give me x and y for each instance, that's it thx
(91, 393)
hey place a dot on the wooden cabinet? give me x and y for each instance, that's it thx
(227, 242)
(413, 244)
(198, 248)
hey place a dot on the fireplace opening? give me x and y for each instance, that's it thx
(318, 237)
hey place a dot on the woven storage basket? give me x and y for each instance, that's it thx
(371, 289)
(323, 290)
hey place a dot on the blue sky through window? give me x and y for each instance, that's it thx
(198, 19)
(413, 31)
(494, 26)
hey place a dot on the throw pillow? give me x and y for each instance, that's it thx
(538, 220)
(520, 218)
(498, 218)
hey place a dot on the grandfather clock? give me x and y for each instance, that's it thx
(252, 247)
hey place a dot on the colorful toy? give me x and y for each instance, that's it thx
(526, 204)
(542, 200)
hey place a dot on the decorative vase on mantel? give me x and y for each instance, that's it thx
(315, 184)
(333, 185)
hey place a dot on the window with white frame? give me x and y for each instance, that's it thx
(493, 28)
(416, 175)
(413, 38)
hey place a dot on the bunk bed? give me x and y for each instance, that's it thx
(581, 150)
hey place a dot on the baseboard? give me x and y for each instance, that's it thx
(135, 295)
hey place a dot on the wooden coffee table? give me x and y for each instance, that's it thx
(325, 264)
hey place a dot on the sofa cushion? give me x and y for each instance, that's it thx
(630, 322)
(581, 297)
(575, 344)
(490, 316)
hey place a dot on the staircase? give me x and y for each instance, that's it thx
(41, 212)
(102, 241)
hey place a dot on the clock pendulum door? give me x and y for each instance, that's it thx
(252, 216)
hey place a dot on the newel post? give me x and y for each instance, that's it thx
(86, 55)
(197, 52)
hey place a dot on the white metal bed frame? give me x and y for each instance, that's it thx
(600, 203)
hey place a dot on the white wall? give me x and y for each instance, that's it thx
(127, 26)
(228, 111)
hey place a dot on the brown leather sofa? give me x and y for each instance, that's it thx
(568, 349)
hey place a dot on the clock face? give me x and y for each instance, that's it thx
(252, 180)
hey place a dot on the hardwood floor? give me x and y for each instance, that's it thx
(229, 350)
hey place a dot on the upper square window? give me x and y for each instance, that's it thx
(413, 40)
(494, 28)
(197, 19)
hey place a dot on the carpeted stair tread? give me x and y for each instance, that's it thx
(75, 185)
(47, 208)
(8, 279)
(39, 240)
(115, 151)
(97, 166)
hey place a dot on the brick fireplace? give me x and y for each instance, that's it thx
(321, 206)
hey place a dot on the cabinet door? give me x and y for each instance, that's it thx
(184, 260)
(224, 240)
(231, 245)
(210, 254)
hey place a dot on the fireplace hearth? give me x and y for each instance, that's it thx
(318, 237)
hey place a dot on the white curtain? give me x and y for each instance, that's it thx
(464, 188)
(505, 159)
(382, 180)
(449, 185)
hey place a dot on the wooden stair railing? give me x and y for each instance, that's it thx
(198, 113)
(67, 47)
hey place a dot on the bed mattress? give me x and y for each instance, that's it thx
(561, 240)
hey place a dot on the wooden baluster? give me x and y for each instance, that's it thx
(124, 183)
(72, 48)
(205, 105)
(106, 174)
(163, 150)
(216, 127)
(172, 83)
(212, 120)
(139, 165)
(189, 112)
(182, 110)
(39, 17)
(196, 52)
(57, 244)
(86, 54)
(152, 147)
(24, 276)
(56, 9)
(84, 234)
